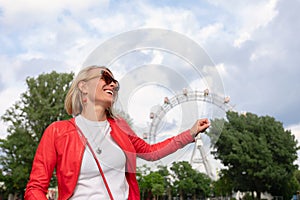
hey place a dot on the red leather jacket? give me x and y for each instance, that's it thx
(62, 148)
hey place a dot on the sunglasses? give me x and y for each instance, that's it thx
(108, 79)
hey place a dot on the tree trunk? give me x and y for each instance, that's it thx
(180, 195)
(194, 196)
(258, 195)
(169, 194)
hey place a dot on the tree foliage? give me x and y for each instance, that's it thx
(223, 187)
(257, 152)
(179, 179)
(188, 181)
(141, 172)
(40, 105)
(164, 172)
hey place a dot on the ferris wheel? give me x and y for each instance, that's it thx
(188, 96)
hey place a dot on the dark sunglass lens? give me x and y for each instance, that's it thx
(107, 77)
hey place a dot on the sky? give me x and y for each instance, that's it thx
(252, 43)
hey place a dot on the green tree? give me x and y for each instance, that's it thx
(156, 182)
(151, 183)
(3, 190)
(257, 152)
(203, 185)
(144, 186)
(163, 170)
(222, 187)
(183, 179)
(188, 181)
(16, 160)
(40, 105)
(286, 191)
(297, 176)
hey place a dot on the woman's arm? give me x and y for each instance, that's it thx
(157, 151)
(42, 168)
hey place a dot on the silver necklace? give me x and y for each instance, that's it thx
(98, 147)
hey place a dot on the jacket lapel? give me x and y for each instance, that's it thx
(121, 137)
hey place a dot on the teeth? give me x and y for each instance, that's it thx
(109, 92)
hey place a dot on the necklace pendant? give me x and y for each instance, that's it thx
(98, 151)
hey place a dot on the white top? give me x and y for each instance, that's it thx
(111, 158)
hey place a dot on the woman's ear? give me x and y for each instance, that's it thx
(82, 87)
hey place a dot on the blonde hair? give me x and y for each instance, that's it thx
(73, 100)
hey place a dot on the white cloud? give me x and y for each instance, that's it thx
(253, 17)
(247, 16)
(243, 37)
(115, 23)
(221, 68)
(177, 19)
(11, 95)
(209, 31)
(157, 57)
(49, 30)
(31, 11)
(9, 66)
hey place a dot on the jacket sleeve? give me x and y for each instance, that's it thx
(159, 150)
(42, 168)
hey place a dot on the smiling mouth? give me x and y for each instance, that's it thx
(109, 92)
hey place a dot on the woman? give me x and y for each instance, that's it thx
(95, 152)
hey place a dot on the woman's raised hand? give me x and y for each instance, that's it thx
(200, 126)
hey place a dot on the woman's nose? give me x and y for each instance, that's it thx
(115, 85)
